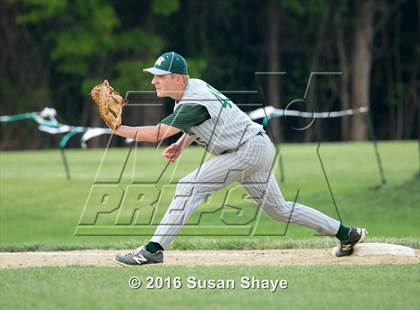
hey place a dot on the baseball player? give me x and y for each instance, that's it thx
(242, 153)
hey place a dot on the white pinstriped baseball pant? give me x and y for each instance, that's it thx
(251, 166)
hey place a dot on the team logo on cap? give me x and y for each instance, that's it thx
(159, 61)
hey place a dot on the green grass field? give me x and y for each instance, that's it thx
(309, 287)
(41, 210)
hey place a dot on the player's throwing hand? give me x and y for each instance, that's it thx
(172, 152)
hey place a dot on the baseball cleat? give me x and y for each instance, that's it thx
(345, 247)
(140, 256)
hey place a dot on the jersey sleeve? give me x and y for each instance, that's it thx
(186, 116)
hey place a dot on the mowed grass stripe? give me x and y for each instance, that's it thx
(309, 287)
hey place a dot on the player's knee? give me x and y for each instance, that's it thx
(279, 209)
(287, 206)
(276, 213)
(184, 189)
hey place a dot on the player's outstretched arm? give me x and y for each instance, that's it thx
(147, 133)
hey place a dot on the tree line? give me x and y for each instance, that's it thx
(54, 51)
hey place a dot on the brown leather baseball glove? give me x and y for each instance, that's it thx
(110, 104)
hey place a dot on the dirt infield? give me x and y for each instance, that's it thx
(200, 258)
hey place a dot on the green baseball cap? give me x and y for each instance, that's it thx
(170, 62)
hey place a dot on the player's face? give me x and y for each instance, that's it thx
(166, 86)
